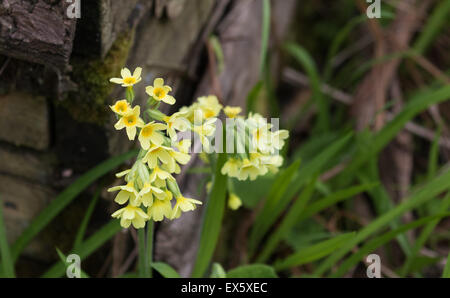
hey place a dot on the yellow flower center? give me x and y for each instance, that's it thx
(130, 120)
(209, 114)
(147, 131)
(121, 107)
(159, 92)
(129, 80)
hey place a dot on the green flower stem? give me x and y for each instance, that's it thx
(142, 253)
(145, 243)
(149, 251)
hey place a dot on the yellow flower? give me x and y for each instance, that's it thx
(209, 105)
(159, 176)
(148, 192)
(127, 192)
(160, 92)
(130, 121)
(234, 202)
(204, 131)
(184, 205)
(131, 215)
(149, 134)
(251, 169)
(175, 122)
(121, 107)
(278, 138)
(127, 79)
(232, 112)
(272, 162)
(160, 209)
(231, 167)
(156, 153)
(184, 146)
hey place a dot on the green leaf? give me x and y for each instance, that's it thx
(265, 35)
(287, 223)
(142, 253)
(84, 223)
(417, 104)
(63, 259)
(423, 195)
(252, 271)
(313, 252)
(212, 221)
(446, 273)
(5, 253)
(64, 198)
(303, 57)
(435, 22)
(253, 96)
(88, 247)
(218, 271)
(333, 199)
(373, 244)
(280, 195)
(165, 270)
(424, 235)
(266, 217)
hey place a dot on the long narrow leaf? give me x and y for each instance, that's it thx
(373, 244)
(84, 223)
(88, 247)
(64, 198)
(165, 270)
(288, 222)
(313, 252)
(5, 253)
(426, 193)
(212, 221)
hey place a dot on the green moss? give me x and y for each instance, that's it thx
(88, 103)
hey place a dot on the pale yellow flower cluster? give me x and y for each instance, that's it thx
(150, 185)
(261, 148)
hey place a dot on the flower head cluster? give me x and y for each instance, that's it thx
(150, 186)
(257, 146)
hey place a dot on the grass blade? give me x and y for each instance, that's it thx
(446, 273)
(88, 247)
(5, 253)
(424, 235)
(435, 22)
(265, 35)
(64, 198)
(165, 270)
(417, 104)
(252, 271)
(277, 200)
(373, 244)
(212, 220)
(303, 57)
(288, 222)
(426, 193)
(265, 219)
(313, 252)
(84, 223)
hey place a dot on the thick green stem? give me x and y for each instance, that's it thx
(142, 252)
(149, 251)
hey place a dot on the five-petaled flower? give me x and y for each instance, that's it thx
(160, 92)
(130, 121)
(128, 79)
